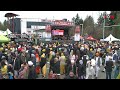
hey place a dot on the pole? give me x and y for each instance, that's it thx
(13, 23)
(104, 29)
(82, 30)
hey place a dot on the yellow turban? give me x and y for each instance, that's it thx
(11, 49)
(50, 48)
(91, 49)
(43, 50)
(43, 55)
(1, 49)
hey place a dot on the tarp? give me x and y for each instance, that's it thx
(4, 39)
(110, 38)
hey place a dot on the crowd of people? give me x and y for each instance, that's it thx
(72, 60)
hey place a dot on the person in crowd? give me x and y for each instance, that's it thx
(116, 69)
(81, 70)
(16, 65)
(71, 76)
(43, 65)
(4, 70)
(109, 66)
(56, 68)
(33, 59)
(24, 70)
(72, 67)
(31, 73)
(98, 60)
(62, 60)
(90, 71)
(10, 71)
(52, 75)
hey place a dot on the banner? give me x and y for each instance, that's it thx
(57, 32)
(61, 32)
(77, 37)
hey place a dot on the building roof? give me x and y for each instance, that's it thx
(10, 15)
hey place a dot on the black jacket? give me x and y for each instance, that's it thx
(17, 64)
(32, 73)
(109, 66)
(70, 68)
(56, 68)
(81, 70)
(68, 77)
(52, 63)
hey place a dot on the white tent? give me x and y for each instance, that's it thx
(7, 32)
(110, 38)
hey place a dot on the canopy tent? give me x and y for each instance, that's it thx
(7, 32)
(110, 38)
(91, 38)
(4, 39)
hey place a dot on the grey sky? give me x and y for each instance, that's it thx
(52, 14)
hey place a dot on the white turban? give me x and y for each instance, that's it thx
(30, 63)
(81, 62)
(72, 61)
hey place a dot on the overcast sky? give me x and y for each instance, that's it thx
(52, 14)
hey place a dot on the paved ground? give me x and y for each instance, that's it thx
(100, 76)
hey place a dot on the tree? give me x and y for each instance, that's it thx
(3, 26)
(89, 25)
(116, 30)
(99, 27)
(77, 20)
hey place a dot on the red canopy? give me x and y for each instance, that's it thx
(91, 38)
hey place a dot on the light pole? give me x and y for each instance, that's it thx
(82, 30)
(104, 28)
